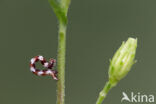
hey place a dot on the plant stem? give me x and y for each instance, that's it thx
(61, 63)
(104, 92)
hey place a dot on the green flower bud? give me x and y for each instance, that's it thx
(122, 61)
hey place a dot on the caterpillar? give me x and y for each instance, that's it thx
(48, 65)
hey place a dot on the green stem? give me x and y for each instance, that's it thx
(104, 92)
(61, 63)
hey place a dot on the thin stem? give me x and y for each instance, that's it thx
(104, 92)
(61, 63)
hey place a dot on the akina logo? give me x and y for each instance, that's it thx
(137, 98)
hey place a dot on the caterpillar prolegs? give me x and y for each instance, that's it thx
(48, 65)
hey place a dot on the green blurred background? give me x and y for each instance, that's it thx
(96, 28)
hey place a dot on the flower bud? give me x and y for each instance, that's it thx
(122, 61)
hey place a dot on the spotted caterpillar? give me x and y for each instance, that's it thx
(48, 65)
